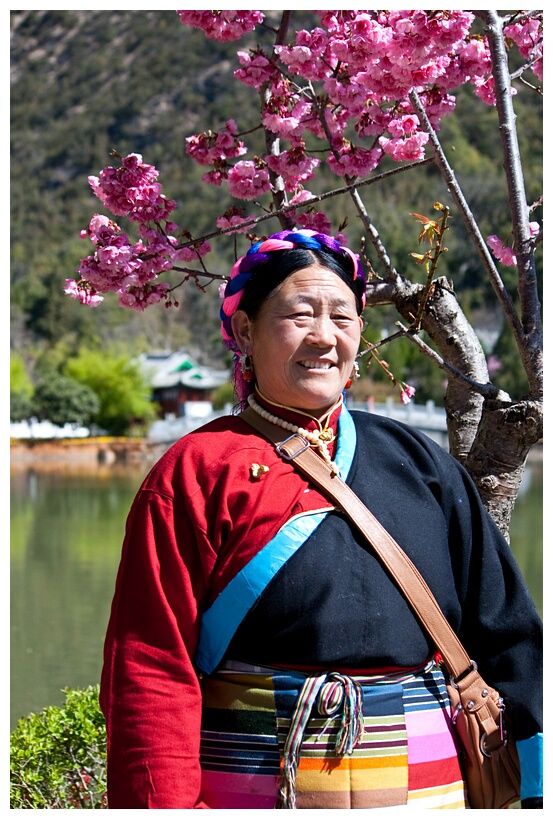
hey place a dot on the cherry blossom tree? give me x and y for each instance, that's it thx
(358, 87)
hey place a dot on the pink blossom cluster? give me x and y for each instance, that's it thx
(293, 165)
(318, 221)
(80, 291)
(354, 161)
(131, 190)
(357, 69)
(248, 179)
(528, 36)
(222, 25)
(256, 69)
(210, 148)
(119, 265)
(338, 94)
(407, 393)
(232, 221)
(504, 253)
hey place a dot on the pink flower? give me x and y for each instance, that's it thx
(82, 293)
(410, 149)
(407, 393)
(214, 177)
(138, 298)
(210, 148)
(95, 226)
(192, 253)
(485, 90)
(351, 94)
(355, 161)
(222, 25)
(285, 115)
(256, 70)
(502, 252)
(233, 220)
(132, 191)
(314, 220)
(294, 166)
(404, 125)
(303, 61)
(300, 196)
(248, 181)
(529, 38)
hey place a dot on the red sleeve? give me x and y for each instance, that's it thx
(197, 520)
(149, 692)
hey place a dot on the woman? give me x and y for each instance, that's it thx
(251, 624)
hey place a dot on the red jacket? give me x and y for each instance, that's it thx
(198, 518)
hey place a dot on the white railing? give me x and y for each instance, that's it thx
(427, 415)
(45, 429)
(427, 418)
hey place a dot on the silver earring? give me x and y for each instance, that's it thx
(354, 375)
(246, 367)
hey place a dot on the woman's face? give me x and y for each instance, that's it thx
(304, 340)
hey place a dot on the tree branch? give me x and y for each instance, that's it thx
(272, 140)
(470, 223)
(530, 345)
(255, 220)
(486, 390)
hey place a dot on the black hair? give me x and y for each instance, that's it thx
(268, 275)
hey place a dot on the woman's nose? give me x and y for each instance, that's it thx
(322, 331)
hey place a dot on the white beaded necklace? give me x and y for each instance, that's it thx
(317, 438)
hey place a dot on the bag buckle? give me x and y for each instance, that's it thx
(472, 667)
(456, 714)
(285, 455)
(502, 735)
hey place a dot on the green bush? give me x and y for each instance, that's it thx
(223, 395)
(21, 407)
(63, 400)
(58, 756)
(121, 386)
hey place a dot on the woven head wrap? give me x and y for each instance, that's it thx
(260, 253)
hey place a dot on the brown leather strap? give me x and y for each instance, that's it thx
(296, 449)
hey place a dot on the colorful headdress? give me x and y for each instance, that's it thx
(259, 253)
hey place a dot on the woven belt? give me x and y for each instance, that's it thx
(337, 694)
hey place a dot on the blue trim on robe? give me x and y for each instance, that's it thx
(222, 618)
(530, 755)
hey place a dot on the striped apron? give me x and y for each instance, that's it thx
(275, 738)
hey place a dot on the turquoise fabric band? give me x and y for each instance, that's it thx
(220, 621)
(530, 754)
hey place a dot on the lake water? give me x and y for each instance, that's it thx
(66, 532)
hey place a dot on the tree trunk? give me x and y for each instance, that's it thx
(498, 456)
(455, 339)
(491, 438)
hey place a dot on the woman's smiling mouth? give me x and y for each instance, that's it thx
(315, 365)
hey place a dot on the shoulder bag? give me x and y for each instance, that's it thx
(488, 756)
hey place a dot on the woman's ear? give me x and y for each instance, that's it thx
(242, 329)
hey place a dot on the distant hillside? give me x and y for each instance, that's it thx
(86, 82)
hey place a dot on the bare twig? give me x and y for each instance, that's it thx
(468, 218)
(486, 390)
